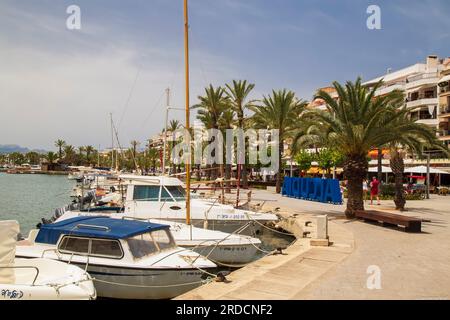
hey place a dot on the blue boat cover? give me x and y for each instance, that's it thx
(95, 227)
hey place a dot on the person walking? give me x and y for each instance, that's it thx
(374, 192)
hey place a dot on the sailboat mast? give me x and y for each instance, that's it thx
(112, 142)
(188, 162)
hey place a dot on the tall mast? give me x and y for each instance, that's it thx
(165, 130)
(112, 142)
(188, 162)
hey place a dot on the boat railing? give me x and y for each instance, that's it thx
(49, 250)
(210, 208)
(91, 226)
(162, 206)
(25, 267)
(135, 218)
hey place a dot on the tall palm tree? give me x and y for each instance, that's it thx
(412, 137)
(280, 111)
(60, 144)
(355, 123)
(238, 93)
(211, 107)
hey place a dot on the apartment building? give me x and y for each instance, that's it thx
(444, 103)
(420, 84)
(427, 89)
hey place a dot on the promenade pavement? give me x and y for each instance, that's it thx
(411, 266)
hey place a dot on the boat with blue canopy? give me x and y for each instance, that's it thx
(128, 259)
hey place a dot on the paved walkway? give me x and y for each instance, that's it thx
(413, 266)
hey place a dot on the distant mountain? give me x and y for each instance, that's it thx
(9, 148)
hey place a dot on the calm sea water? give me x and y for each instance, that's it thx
(29, 197)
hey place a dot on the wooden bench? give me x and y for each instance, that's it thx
(411, 224)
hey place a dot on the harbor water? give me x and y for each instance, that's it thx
(29, 197)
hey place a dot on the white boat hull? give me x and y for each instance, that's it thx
(227, 255)
(44, 279)
(133, 283)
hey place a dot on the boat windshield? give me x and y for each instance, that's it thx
(177, 193)
(146, 193)
(149, 243)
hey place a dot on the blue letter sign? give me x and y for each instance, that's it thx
(313, 189)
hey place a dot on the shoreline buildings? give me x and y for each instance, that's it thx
(427, 90)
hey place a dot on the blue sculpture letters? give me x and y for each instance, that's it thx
(313, 189)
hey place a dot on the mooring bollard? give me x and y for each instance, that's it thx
(321, 236)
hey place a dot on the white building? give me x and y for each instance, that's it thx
(420, 84)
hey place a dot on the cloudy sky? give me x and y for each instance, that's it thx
(59, 83)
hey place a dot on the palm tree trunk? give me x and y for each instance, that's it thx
(199, 177)
(228, 177)
(244, 175)
(355, 169)
(398, 167)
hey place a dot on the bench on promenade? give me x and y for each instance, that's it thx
(411, 224)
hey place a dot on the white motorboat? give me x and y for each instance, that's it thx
(128, 259)
(38, 279)
(220, 247)
(160, 197)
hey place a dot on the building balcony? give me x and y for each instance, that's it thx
(443, 91)
(422, 101)
(389, 88)
(426, 79)
(444, 112)
(430, 122)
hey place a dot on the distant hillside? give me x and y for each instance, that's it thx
(9, 148)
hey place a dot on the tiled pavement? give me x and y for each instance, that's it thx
(413, 266)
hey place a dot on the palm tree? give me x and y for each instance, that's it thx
(81, 149)
(211, 106)
(69, 153)
(280, 111)
(238, 93)
(60, 144)
(33, 157)
(412, 137)
(51, 157)
(89, 150)
(354, 124)
(153, 156)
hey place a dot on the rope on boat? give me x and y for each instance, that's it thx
(266, 227)
(165, 286)
(57, 287)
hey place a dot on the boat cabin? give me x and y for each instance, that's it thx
(104, 237)
(154, 188)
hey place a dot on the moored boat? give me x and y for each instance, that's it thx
(220, 247)
(38, 278)
(128, 259)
